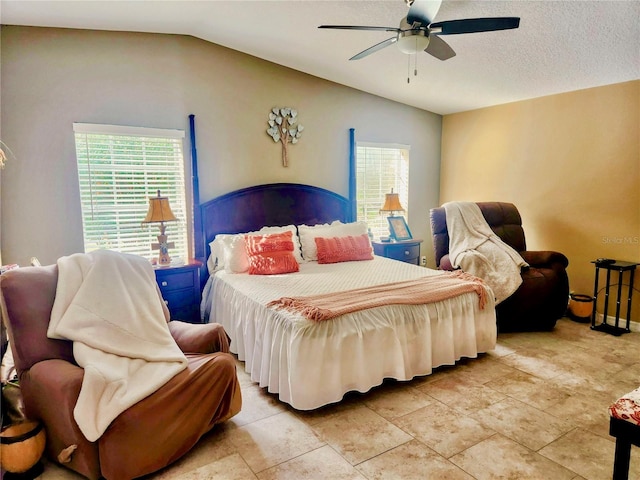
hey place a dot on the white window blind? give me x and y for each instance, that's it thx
(119, 168)
(380, 168)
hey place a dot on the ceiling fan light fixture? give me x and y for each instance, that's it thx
(412, 41)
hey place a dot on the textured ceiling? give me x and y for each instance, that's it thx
(560, 45)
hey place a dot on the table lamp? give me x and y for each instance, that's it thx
(391, 203)
(160, 212)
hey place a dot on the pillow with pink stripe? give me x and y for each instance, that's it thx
(271, 254)
(343, 249)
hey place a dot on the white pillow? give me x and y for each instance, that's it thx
(308, 235)
(228, 251)
(235, 255)
(216, 260)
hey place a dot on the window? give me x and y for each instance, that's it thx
(380, 168)
(119, 168)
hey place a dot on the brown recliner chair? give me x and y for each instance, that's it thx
(542, 297)
(149, 435)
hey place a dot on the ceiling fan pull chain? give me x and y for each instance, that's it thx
(408, 69)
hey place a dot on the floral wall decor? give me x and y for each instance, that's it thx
(3, 154)
(284, 128)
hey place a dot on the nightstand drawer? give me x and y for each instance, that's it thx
(180, 289)
(183, 305)
(405, 253)
(188, 313)
(406, 250)
(176, 281)
(179, 298)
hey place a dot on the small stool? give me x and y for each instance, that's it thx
(625, 427)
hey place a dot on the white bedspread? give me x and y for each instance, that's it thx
(477, 250)
(109, 306)
(310, 364)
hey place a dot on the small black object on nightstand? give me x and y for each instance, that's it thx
(605, 261)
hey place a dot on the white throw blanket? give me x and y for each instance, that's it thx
(108, 304)
(477, 250)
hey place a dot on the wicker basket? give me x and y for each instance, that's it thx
(21, 446)
(580, 307)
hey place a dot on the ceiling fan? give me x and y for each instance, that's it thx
(418, 32)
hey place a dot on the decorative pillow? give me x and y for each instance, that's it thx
(235, 255)
(216, 260)
(229, 253)
(308, 234)
(297, 250)
(344, 249)
(271, 254)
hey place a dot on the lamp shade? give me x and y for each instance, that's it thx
(391, 203)
(159, 210)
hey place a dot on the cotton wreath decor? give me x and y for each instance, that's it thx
(284, 127)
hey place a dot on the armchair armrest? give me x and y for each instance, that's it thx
(50, 390)
(445, 263)
(200, 338)
(542, 258)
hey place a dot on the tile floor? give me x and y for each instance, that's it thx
(534, 408)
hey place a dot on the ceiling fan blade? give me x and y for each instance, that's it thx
(473, 25)
(439, 48)
(356, 27)
(375, 48)
(423, 11)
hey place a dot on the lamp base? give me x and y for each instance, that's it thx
(163, 246)
(164, 260)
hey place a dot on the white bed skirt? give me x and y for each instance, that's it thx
(311, 364)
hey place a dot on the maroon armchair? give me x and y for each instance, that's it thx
(542, 297)
(146, 437)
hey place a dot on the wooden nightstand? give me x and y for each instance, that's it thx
(405, 250)
(180, 288)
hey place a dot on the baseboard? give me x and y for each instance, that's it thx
(633, 326)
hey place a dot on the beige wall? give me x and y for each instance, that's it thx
(54, 77)
(570, 163)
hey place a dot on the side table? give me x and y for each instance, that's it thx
(180, 288)
(620, 267)
(404, 250)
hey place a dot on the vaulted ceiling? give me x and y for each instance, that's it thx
(560, 45)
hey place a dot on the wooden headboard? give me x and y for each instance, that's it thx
(275, 204)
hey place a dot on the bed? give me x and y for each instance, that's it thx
(309, 364)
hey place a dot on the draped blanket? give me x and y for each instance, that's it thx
(108, 304)
(411, 292)
(476, 249)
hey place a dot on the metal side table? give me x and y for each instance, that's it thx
(620, 267)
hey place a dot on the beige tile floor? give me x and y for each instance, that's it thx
(533, 408)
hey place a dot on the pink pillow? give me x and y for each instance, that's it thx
(271, 254)
(343, 249)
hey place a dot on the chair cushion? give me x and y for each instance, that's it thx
(200, 337)
(167, 424)
(627, 407)
(27, 298)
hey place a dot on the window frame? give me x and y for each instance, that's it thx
(135, 178)
(368, 209)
